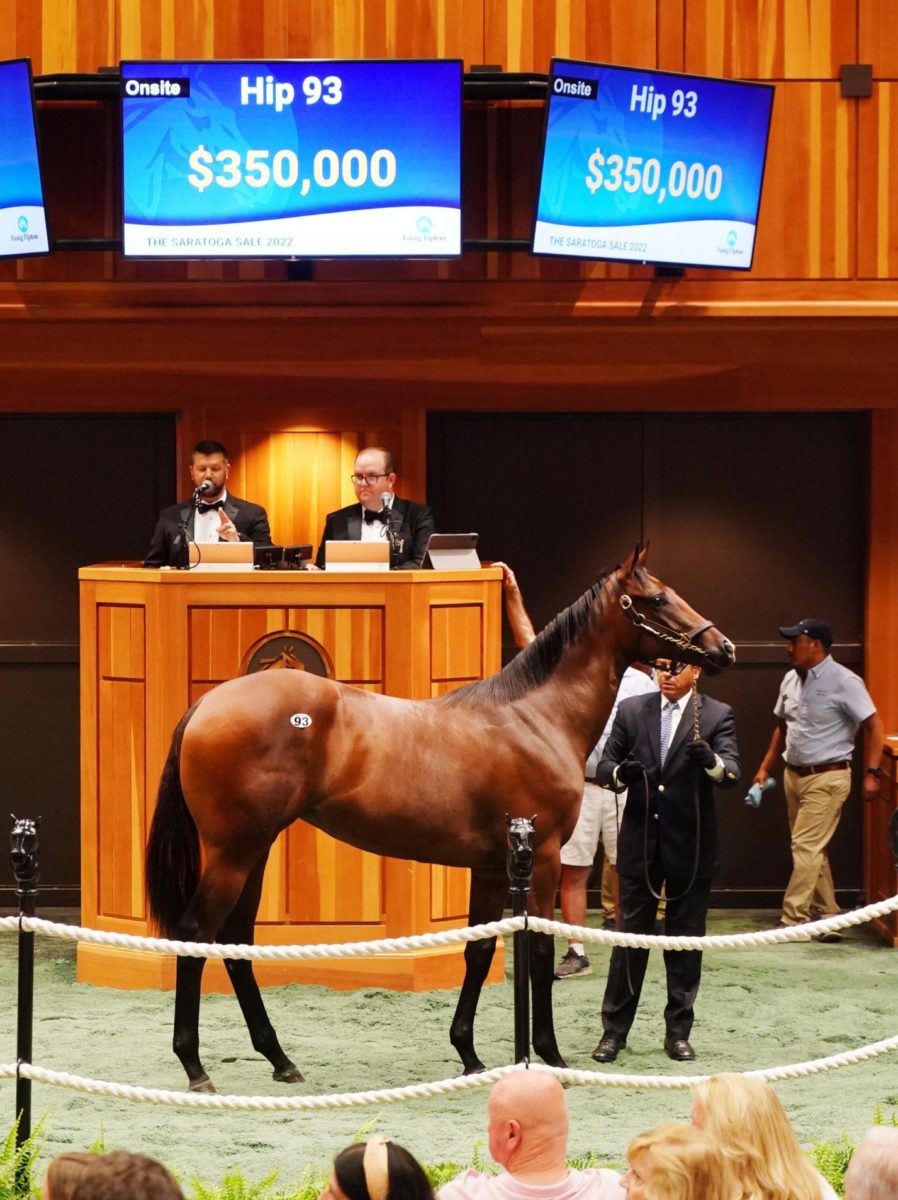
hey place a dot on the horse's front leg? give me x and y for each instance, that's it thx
(546, 874)
(487, 901)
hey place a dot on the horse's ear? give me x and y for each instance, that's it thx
(642, 554)
(630, 565)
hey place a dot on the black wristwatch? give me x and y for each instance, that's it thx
(877, 771)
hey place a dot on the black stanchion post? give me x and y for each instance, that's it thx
(23, 858)
(520, 871)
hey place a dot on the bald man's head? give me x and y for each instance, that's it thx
(528, 1121)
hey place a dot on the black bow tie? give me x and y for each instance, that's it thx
(204, 508)
(376, 516)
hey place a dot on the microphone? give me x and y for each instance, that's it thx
(386, 502)
(206, 486)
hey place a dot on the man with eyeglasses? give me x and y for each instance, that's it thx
(669, 750)
(380, 514)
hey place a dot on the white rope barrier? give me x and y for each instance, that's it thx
(449, 937)
(445, 938)
(421, 1091)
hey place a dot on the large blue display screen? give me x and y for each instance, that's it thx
(649, 166)
(284, 159)
(23, 223)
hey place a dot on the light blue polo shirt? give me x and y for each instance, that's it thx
(822, 714)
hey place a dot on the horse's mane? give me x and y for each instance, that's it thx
(536, 662)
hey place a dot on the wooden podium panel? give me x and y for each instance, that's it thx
(153, 641)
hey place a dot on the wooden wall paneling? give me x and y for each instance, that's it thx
(220, 636)
(878, 37)
(319, 868)
(671, 51)
(449, 893)
(881, 617)
(354, 638)
(121, 800)
(69, 35)
(456, 645)
(523, 35)
(779, 39)
(807, 225)
(877, 184)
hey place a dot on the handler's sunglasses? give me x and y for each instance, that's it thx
(673, 668)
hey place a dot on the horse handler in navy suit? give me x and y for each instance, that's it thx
(668, 838)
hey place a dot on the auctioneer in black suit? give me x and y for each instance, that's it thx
(663, 841)
(413, 524)
(169, 547)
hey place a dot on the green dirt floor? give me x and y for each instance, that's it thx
(757, 1008)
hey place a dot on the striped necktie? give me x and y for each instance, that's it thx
(667, 711)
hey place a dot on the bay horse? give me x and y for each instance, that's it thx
(430, 780)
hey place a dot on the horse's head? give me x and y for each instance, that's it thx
(664, 626)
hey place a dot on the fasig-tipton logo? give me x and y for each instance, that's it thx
(152, 89)
(23, 235)
(424, 232)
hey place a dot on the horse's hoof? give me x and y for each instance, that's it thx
(475, 1068)
(289, 1074)
(552, 1058)
(203, 1084)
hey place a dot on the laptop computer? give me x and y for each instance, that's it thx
(357, 556)
(220, 556)
(453, 551)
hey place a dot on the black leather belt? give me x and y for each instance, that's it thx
(820, 768)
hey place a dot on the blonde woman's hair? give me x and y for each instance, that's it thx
(745, 1117)
(687, 1164)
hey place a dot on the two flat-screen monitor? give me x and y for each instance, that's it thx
(23, 222)
(651, 167)
(292, 159)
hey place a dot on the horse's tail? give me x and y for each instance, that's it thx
(173, 847)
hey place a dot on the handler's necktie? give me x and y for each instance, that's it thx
(666, 720)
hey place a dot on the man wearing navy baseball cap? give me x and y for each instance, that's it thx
(821, 706)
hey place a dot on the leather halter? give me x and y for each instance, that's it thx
(682, 641)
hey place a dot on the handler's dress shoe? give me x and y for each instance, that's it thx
(679, 1050)
(609, 1047)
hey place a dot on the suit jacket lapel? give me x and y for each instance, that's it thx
(651, 714)
(354, 526)
(188, 513)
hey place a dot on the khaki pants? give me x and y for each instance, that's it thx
(814, 804)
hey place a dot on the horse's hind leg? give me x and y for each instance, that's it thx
(239, 928)
(486, 905)
(186, 1039)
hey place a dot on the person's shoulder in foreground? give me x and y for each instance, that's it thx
(591, 1183)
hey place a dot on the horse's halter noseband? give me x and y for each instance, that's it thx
(682, 641)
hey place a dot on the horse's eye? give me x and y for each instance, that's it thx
(659, 600)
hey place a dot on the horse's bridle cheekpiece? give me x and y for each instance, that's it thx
(682, 641)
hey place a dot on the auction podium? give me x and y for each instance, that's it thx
(153, 641)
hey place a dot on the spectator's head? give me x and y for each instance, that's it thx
(873, 1171)
(377, 1170)
(528, 1122)
(120, 1175)
(209, 460)
(744, 1116)
(374, 474)
(63, 1172)
(677, 1162)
